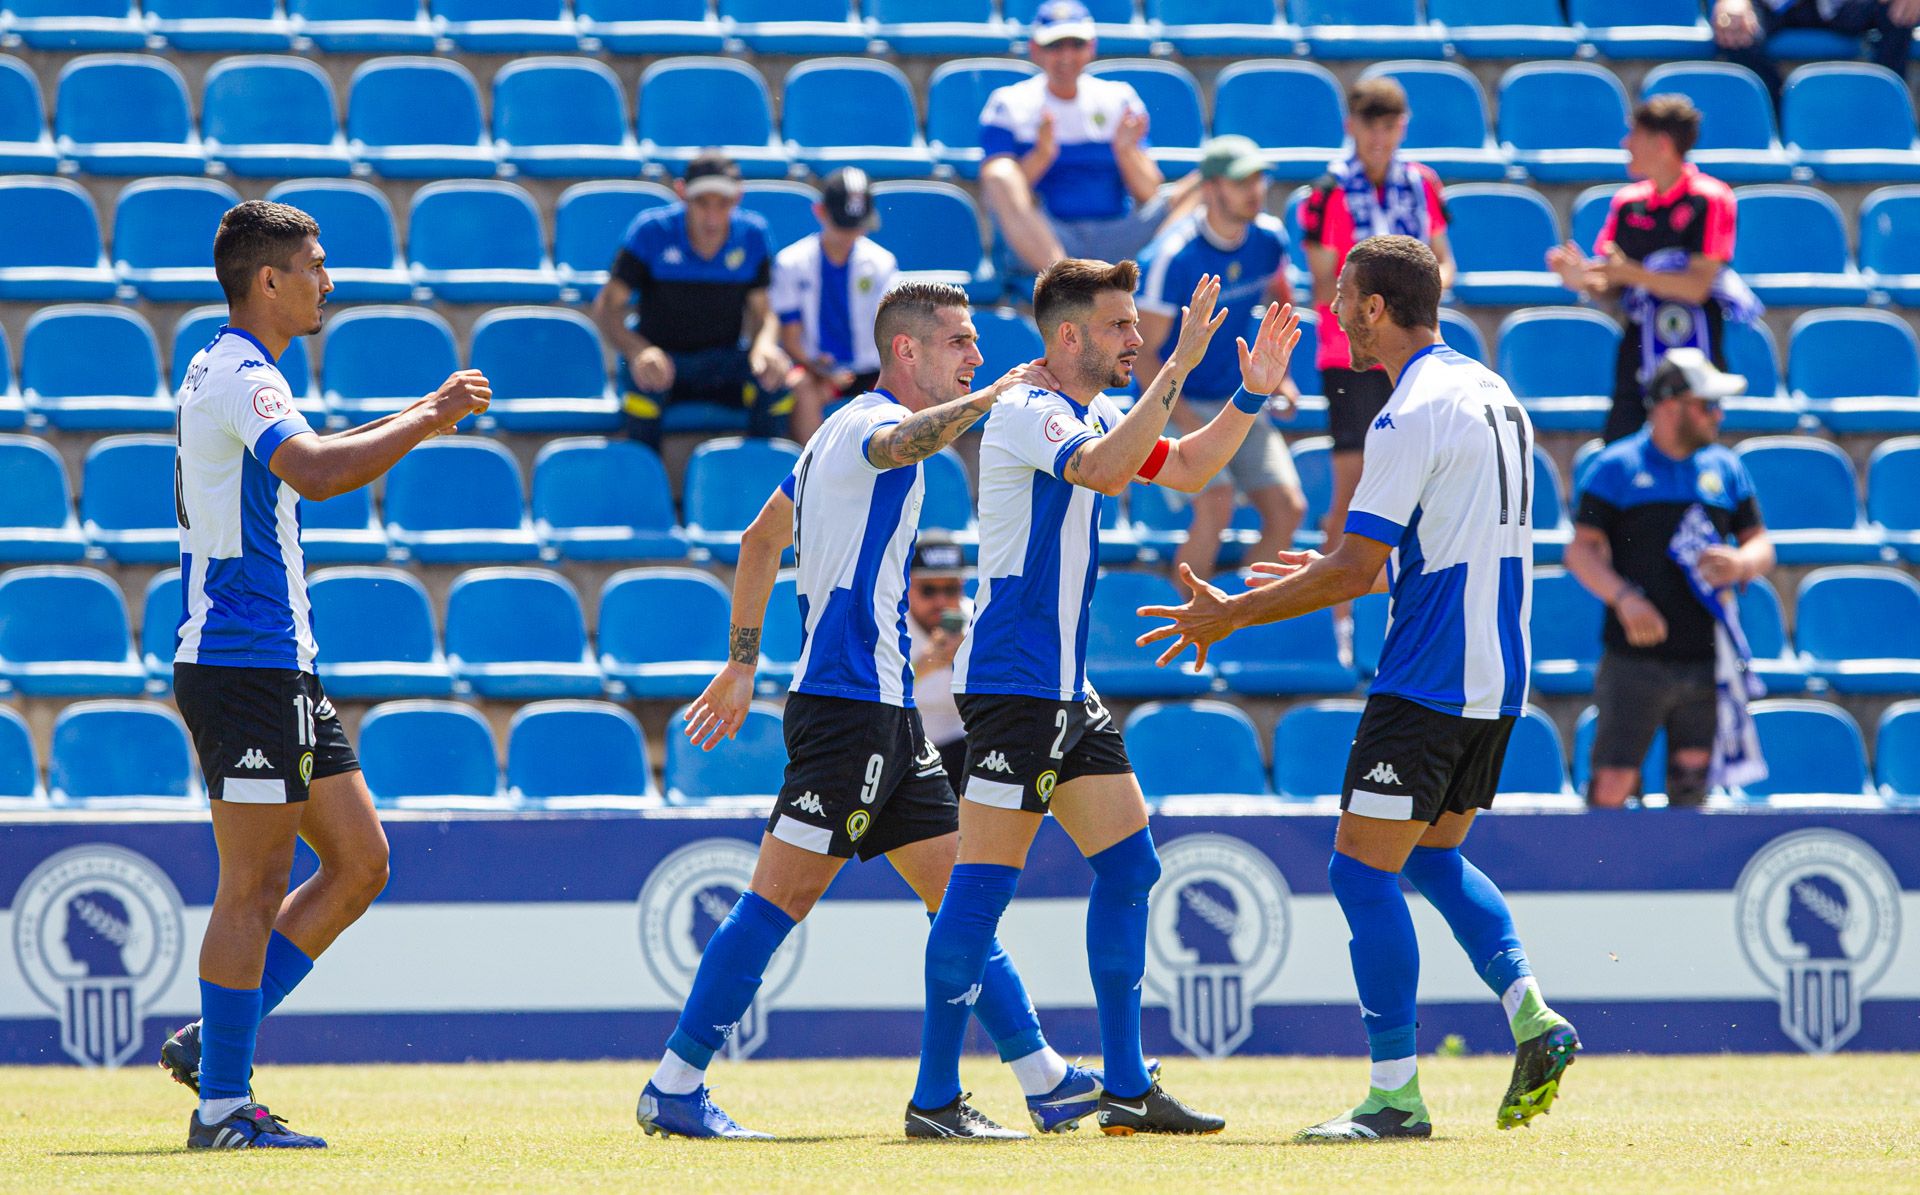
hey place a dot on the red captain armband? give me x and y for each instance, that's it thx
(1155, 459)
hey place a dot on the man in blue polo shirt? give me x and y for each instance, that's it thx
(698, 271)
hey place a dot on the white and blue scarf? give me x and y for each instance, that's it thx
(1667, 324)
(1736, 743)
(1399, 208)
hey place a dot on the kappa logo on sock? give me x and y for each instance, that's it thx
(252, 760)
(1382, 773)
(809, 803)
(996, 762)
(968, 997)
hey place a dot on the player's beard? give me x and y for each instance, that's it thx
(1360, 347)
(1105, 373)
(939, 385)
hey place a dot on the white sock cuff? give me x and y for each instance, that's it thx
(1039, 1072)
(1391, 1074)
(1515, 993)
(677, 1076)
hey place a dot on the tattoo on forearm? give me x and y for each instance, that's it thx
(1173, 393)
(743, 645)
(921, 434)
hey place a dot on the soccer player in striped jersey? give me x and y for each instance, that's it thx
(1038, 737)
(276, 759)
(861, 778)
(1440, 519)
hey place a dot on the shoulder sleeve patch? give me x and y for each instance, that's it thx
(270, 402)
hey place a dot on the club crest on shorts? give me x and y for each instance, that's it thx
(1217, 933)
(97, 932)
(1818, 915)
(681, 905)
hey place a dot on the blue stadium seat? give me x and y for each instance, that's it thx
(801, 27)
(1505, 28)
(64, 633)
(13, 409)
(1292, 110)
(359, 235)
(1309, 748)
(853, 112)
(122, 755)
(36, 504)
(66, 25)
(1535, 762)
(342, 530)
(750, 764)
(1766, 407)
(1172, 98)
(1559, 362)
(1447, 121)
(377, 635)
(418, 118)
(1552, 523)
(651, 26)
(161, 612)
(728, 480)
(127, 501)
(1764, 624)
(588, 224)
(1367, 29)
(781, 637)
(1792, 248)
(1562, 122)
(1160, 522)
(1893, 495)
(364, 26)
(934, 231)
(547, 370)
(1197, 747)
(126, 114)
(1738, 141)
(1890, 242)
(563, 118)
(87, 367)
(689, 104)
(1658, 29)
(1225, 28)
(51, 248)
(1860, 628)
(379, 359)
(1116, 24)
(1856, 370)
(1809, 500)
(479, 242)
(1461, 334)
(1007, 338)
(26, 144)
(786, 207)
(601, 499)
(1653, 769)
(269, 116)
(1566, 633)
(220, 26)
(458, 501)
(1850, 122)
(196, 330)
(948, 505)
(1115, 666)
(939, 28)
(956, 95)
(1500, 234)
(1589, 215)
(1313, 460)
(1896, 751)
(1369, 631)
(507, 26)
(1811, 748)
(663, 631)
(578, 755)
(20, 787)
(517, 633)
(430, 755)
(1299, 655)
(162, 230)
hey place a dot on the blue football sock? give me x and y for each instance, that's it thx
(229, 1018)
(287, 965)
(1004, 1009)
(957, 951)
(1386, 955)
(1123, 875)
(728, 977)
(1475, 912)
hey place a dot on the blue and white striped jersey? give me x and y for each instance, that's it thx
(1039, 550)
(853, 532)
(1449, 483)
(242, 571)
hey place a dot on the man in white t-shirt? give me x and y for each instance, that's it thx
(937, 614)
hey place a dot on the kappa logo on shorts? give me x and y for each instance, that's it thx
(996, 762)
(252, 760)
(1382, 773)
(809, 803)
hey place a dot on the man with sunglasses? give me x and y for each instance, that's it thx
(1667, 523)
(937, 613)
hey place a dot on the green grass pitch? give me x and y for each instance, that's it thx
(1656, 1124)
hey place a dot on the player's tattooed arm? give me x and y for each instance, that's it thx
(926, 432)
(743, 645)
(1172, 395)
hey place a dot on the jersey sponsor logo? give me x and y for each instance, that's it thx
(253, 760)
(269, 403)
(1218, 927)
(995, 762)
(807, 802)
(1385, 421)
(1058, 428)
(1382, 773)
(1643, 481)
(1681, 216)
(671, 255)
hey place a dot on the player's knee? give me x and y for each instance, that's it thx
(1283, 502)
(1686, 784)
(1129, 869)
(367, 877)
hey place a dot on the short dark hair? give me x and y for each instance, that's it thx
(1673, 115)
(1065, 290)
(1376, 98)
(254, 234)
(1404, 272)
(909, 308)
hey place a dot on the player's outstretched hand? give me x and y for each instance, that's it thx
(1198, 323)
(466, 392)
(1027, 373)
(721, 709)
(1283, 564)
(1263, 368)
(1203, 621)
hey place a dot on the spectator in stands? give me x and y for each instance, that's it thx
(1742, 28)
(698, 271)
(1067, 173)
(937, 614)
(1373, 192)
(1233, 237)
(1664, 250)
(826, 291)
(1666, 525)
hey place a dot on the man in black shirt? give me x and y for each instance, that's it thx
(1644, 496)
(699, 270)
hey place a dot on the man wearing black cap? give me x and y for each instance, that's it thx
(826, 291)
(937, 613)
(705, 331)
(1667, 524)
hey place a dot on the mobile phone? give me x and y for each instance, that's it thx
(953, 621)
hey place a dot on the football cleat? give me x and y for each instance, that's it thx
(1154, 1112)
(1381, 1124)
(958, 1121)
(1538, 1064)
(691, 1115)
(249, 1127)
(180, 1057)
(1077, 1097)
